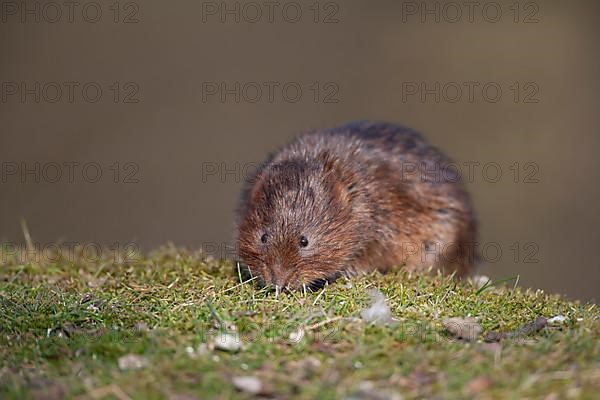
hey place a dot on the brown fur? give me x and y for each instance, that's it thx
(366, 196)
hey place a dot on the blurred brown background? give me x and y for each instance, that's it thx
(163, 129)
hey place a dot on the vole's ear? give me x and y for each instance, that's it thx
(340, 194)
(341, 181)
(256, 187)
(253, 190)
(330, 163)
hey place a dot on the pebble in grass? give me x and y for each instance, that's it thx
(463, 328)
(228, 342)
(367, 390)
(248, 384)
(296, 336)
(132, 362)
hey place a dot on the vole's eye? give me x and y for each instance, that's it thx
(264, 238)
(303, 241)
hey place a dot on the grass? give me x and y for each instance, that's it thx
(66, 323)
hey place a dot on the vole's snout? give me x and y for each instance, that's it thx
(277, 281)
(279, 277)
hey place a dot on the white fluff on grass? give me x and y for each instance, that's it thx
(480, 281)
(559, 319)
(378, 311)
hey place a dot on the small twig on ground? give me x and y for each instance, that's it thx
(322, 323)
(531, 327)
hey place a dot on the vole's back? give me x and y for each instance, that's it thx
(420, 214)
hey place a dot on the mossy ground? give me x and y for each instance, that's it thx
(65, 324)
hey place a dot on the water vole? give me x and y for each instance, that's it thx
(353, 199)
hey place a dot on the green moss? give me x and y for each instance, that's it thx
(64, 325)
